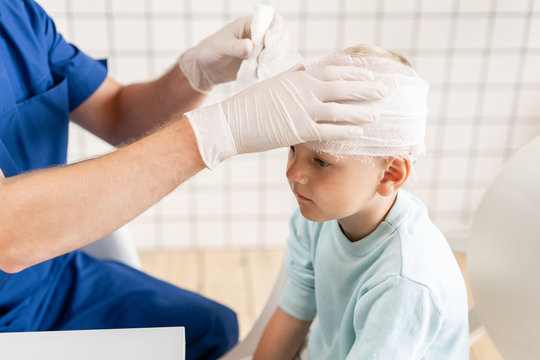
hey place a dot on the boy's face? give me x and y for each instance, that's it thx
(327, 187)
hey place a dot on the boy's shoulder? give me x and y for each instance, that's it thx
(425, 255)
(414, 220)
(416, 233)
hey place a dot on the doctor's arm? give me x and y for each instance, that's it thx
(122, 113)
(118, 113)
(49, 212)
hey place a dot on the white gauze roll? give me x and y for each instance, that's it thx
(401, 124)
(262, 18)
(271, 53)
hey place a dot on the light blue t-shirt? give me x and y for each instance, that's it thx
(396, 294)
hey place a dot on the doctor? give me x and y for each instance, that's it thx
(49, 209)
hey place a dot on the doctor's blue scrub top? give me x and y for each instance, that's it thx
(42, 79)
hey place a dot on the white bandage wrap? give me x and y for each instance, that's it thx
(400, 127)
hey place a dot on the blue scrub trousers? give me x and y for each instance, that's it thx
(95, 294)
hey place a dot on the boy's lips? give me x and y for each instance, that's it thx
(300, 197)
(294, 188)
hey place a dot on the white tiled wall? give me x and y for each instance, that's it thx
(481, 58)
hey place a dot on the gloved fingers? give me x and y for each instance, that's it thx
(235, 39)
(335, 72)
(297, 67)
(339, 132)
(231, 40)
(241, 27)
(240, 48)
(350, 90)
(333, 112)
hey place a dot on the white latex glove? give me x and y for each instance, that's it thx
(291, 108)
(217, 58)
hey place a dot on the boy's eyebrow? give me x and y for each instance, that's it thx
(323, 156)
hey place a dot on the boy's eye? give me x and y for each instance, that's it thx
(321, 163)
(292, 148)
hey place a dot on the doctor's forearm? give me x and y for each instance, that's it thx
(119, 114)
(144, 106)
(49, 212)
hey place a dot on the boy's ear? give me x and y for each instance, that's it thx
(396, 172)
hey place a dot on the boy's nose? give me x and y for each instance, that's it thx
(296, 173)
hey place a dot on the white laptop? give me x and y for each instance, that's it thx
(163, 343)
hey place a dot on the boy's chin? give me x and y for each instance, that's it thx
(313, 216)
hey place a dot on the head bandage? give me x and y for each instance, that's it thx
(400, 127)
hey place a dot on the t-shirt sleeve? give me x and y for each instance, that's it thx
(84, 74)
(298, 298)
(397, 319)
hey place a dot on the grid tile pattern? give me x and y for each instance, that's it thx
(481, 59)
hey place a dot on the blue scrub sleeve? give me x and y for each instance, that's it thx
(84, 74)
(7, 165)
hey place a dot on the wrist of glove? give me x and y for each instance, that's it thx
(213, 133)
(291, 108)
(198, 79)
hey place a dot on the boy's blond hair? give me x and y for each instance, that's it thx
(366, 50)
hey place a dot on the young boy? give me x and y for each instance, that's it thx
(364, 259)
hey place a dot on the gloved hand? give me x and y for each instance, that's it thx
(291, 108)
(216, 59)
